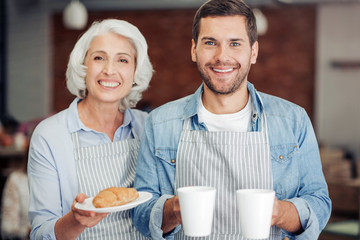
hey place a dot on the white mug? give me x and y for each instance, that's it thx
(197, 210)
(255, 208)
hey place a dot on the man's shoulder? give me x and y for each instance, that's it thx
(274, 105)
(173, 110)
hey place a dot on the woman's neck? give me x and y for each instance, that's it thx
(105, 118)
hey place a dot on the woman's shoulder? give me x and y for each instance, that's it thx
(52, 125)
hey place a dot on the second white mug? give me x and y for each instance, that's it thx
(255, 208)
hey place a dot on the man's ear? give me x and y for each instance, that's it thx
(193, 50)
(254, 52)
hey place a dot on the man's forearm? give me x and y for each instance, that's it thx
(171, 215)
(286, 217)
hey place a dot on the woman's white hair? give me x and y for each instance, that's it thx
(76, 70)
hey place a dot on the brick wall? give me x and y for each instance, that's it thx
(285, 65)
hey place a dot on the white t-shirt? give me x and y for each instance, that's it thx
(234, 122)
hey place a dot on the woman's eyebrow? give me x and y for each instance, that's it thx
(103, 52)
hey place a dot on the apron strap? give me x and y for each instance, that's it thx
(75, 138)
(263, 120)
(187, 124)
(76, 144)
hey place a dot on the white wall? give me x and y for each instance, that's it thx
(338, 89)
(29, 62)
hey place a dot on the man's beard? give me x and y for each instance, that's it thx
(235, 85)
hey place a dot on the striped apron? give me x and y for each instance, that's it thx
(103, 166)
(227, 161)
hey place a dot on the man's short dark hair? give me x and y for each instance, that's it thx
(218, 8)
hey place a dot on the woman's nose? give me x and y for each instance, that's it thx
(109, 68)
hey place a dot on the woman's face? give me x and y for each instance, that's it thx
(110, 62)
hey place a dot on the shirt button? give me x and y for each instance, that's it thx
(172, 160)
(281, 157)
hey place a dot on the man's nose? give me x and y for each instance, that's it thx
(222, 54)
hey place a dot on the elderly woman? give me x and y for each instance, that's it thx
(92, 144)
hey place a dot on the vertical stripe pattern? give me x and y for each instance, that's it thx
(104, 166)
(227, 161)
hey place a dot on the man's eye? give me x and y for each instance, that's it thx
(235, 44)
(210, 43)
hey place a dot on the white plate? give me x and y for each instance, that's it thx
(87, 205)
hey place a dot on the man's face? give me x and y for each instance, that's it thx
(223, 53)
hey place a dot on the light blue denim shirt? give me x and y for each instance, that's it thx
(52, 169)
(296, 165)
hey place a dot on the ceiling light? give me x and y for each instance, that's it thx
(261, 21)
(75, 15)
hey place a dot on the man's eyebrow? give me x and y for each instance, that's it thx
(237, 40)
(230, 40)
(208, 39)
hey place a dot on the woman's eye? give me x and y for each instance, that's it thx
(124, 61)
(98, 58)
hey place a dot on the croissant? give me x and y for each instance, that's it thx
(114, 196)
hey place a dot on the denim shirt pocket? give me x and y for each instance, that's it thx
(284, 159)
(166, 169)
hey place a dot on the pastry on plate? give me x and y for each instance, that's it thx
(114, 196)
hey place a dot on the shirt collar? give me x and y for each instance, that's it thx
(73, 119)
(192, 105)
(258, 106)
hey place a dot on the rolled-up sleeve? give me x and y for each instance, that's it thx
(147, 217)
(146, 179)
(312, 201)
(308, 219)
(156, 220)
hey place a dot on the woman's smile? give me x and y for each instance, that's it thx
(109, 84)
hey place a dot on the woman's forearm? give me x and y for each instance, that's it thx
(68, 228)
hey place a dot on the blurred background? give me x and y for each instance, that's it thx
(309, 54)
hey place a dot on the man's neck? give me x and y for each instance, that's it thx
(225, 104)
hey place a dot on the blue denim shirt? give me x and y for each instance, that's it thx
(296, 165)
